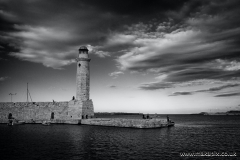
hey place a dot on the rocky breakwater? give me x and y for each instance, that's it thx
(129, 123)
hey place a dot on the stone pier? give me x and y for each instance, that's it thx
(129, 123)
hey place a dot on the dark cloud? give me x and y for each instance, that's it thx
(218, 88)
(180, 93)
(155, 85)
(213, 89)
(201, 73)
(228, 94)
(136, 8)
(223, 87)
(112, 86)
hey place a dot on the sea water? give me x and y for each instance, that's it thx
(191, 134)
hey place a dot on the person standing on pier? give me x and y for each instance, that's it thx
(10, 119)
(168, 120)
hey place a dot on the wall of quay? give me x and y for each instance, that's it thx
(56, 112)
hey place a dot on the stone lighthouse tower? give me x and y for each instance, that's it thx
(83, 74)
(82, 102)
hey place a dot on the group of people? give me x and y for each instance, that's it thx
(148, 117)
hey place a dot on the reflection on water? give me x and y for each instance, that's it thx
(191, 133)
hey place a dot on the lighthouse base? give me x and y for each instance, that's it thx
(81, 109)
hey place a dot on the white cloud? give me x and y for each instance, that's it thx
(97, 51)
(44, 45)
(180, 43)
(119, 39)
(102, 54)
(161, 77)
(115, 74)
(227, 65)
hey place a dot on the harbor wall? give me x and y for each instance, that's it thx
(130, 123)
(57, 112)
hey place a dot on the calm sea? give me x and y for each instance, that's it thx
(191, 134)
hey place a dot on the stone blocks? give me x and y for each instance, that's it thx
(63, 112)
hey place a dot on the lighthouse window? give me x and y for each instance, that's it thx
(79, 65)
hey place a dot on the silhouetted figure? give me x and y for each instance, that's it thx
(168, 120)
(10, 116)
(10, 119)
(53, 101)
(73, 98)
(144, 116)
(147, 116)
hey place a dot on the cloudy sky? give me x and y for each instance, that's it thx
(163, 56)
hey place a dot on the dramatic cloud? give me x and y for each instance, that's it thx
(49, 32)
(115, 74)
(201, 46)
(180, 41)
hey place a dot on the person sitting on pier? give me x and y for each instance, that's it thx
(144, 116)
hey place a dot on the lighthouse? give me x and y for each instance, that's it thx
(83, 104)
(83, 74)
